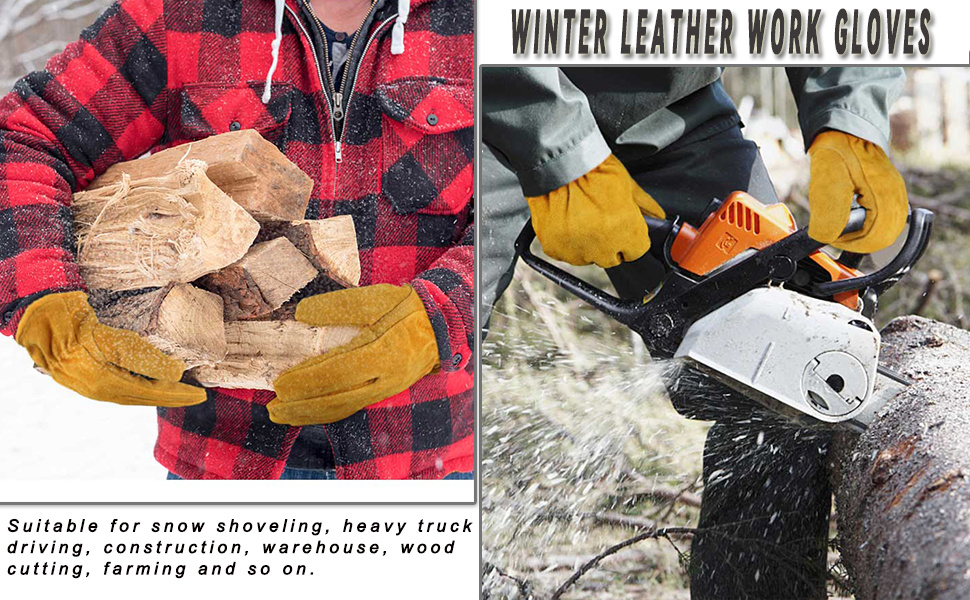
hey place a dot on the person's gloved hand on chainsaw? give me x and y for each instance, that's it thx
(842, 166)
(395, 348)
(596, 219)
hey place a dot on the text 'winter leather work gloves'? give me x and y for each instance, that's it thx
(596, 219)
(843, 165)
(394, 349)
(63, 336)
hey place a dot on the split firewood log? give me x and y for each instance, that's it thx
(330, 244)
(251, 170)
(262, 280)
(178, 319)
(148, 232)
(260, 350)
(202, 250)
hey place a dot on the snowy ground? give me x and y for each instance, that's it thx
(49, 432)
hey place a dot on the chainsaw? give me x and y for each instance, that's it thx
(752, 302)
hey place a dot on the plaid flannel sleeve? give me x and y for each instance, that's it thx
(99, 102)
(447, 289)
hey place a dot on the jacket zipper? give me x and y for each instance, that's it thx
(337, 93)
(324, 81)
(337, 146)
(316, 63)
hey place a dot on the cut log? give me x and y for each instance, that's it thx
(244, 165)
(180, 320)
(331, 244)
(262, 280)
(903, 487)
(152, 231)
(260, 350)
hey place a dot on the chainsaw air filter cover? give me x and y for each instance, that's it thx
(811, 355)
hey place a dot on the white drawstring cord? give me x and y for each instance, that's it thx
(268, 90)
(397, 33)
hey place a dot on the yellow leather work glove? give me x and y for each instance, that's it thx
(64, 337)
(596, 219)
(394, 349)
(843, 165)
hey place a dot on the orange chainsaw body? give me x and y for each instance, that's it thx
(742, 223)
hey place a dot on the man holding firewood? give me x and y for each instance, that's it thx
(374, 101)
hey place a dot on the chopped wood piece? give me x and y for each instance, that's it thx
(260, 350)
(180, 320)
(261, 281)
(151, 231)
(331, 244)
(278, 269)
(244, 165)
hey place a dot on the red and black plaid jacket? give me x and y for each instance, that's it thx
(150, 74)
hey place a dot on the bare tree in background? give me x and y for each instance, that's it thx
(31, 31)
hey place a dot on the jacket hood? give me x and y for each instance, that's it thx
(397, 34)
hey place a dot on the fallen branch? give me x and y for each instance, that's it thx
(663, 532)
(665, 494)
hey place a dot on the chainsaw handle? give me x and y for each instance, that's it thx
(857, 218)
(660, 230)
(662, 234)
(624, 312)
(920, 226)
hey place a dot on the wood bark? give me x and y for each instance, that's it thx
(153, 231)
(260, 350)
(244, 165)
(262, 280)
(180, 320)
(902, 488)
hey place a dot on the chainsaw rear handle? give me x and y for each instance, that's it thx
(920, 226)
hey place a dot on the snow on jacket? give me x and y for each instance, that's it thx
(151, 74)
